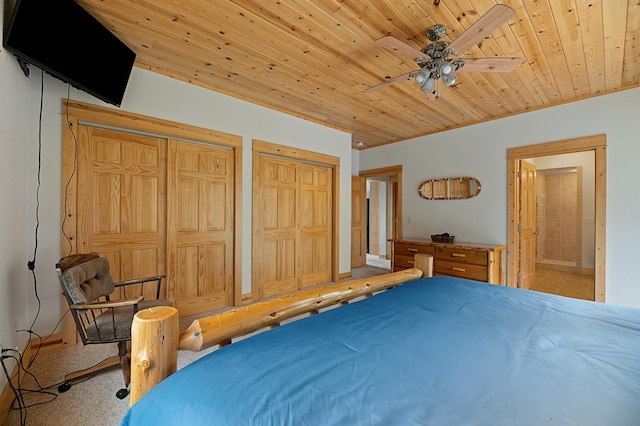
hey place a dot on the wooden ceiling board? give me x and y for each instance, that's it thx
(314, 59)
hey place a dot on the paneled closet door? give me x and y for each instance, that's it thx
(276, 242)
(121, 200)
(292, 222)
(315, 224)
(200, 200)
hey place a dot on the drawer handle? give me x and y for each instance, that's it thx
(413, 250)
(410, 262)
(458, 269)
(458, 255)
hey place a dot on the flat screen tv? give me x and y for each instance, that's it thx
(63, 39)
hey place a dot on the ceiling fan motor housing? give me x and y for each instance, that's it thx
(436, 32)
(437, 49)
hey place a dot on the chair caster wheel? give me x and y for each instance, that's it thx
(122, 393)
(64, 387)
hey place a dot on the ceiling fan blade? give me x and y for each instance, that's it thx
(490, 64)
(401, 48)
(392, 81)
(435, 92)
(495, 17)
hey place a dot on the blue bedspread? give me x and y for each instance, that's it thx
(437, 351)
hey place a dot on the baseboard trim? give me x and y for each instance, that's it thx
(589, 271)
(7, 397)
(51, 343)
(344, 276)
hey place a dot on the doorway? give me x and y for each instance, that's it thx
(516, 249)
(384, 213)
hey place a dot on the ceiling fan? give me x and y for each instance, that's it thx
(435, 60)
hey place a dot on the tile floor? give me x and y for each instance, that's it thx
(564, 283)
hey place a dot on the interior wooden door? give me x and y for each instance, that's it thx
(200, 247)
(358, 218)
(527, 224)
(276, 262)
(395, 208)
(315, 224)
(121, 200)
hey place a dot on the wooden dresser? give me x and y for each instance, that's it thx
(479, 262)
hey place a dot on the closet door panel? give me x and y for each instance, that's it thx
(315, 224)
(121, 200)
(201, 206)
(276, 260)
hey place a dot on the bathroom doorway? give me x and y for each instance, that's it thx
(517, 251)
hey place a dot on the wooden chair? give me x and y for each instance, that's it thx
(103, 310)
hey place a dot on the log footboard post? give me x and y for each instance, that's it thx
(424, 262)
(154, 348)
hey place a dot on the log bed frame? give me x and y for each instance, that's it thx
(155, 339)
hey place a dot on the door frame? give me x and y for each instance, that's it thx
(596, 143)
(394, 173)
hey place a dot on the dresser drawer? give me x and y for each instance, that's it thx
(460, 255)
(404, 261)
(410, 250)
(461, 270)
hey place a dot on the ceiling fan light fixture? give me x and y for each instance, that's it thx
(427, 86)
(446, 69)
(422, 76)
(449, 79)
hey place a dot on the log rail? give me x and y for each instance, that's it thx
(221, 328)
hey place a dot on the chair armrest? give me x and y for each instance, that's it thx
(157, 278)
(139, 280)
(105, 305)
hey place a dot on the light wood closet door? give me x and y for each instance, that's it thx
(292, 215)
(315, 224)
(200, 227)
(276, 243)
(121, 200)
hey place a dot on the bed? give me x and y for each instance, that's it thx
(432, 351)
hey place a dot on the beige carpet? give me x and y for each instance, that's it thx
(93, 402)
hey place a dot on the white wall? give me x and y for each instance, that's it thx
(147, 94)
(480, 151)
(18, 183)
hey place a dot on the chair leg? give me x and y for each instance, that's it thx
(125, 362)
(122, 361)
(108, 364)
(125, 366)
(70, 379)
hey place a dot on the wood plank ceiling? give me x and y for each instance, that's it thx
(315, 58)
